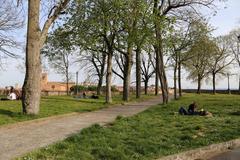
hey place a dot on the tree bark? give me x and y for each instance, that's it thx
(99, 86)
(156, 83)
(239, 85)
(138, 73)
(161, 71)
(175, 80)
(31, 90)
(67, 77)
(179, 79)
(109, 78)
(127, 74)
(146, 87)
(199, 85)
(214, 84)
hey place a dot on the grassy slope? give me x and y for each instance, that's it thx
(154, 133)
(10, 111)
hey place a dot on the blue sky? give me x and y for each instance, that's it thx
(226, 19)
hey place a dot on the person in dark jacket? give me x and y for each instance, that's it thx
(192, 109)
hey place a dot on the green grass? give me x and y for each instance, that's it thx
(10, 111)
(156, 132)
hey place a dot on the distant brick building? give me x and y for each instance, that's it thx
(54, 86)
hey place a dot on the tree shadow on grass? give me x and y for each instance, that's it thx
(10, 113)
(237, 113)
(6, 112)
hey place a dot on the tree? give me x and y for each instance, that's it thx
(234, 38)
(162, 12)
(59, 53)
(180, 41)
(147, 71)
(128, 38)
(97, 22)
(220, 59)
(31, 91)
(143, 36)
(10, 20)
(95, 63)
(202, 50)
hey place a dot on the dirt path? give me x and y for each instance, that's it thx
(25, 137)
(230, 155)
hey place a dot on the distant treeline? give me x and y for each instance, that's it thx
(223, 91)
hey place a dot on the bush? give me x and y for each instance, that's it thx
(113, 88)
(92, 88)
(81, 88)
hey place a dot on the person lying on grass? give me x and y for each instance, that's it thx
(192, 110)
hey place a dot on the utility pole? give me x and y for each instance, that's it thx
(77, 83)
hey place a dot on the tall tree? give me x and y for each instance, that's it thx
(59, 53)
(97, 22)
(147, 71)
(202, 50)
(36, 36)
(180, 41)
(163, 11)
(144, 34)
(94, 62)
(128, 37)
(234, 38)
(220, 59)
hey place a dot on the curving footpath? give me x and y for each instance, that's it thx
(230, 155)
(23, 137)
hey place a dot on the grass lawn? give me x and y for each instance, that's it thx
(10, 111)
(153, 133)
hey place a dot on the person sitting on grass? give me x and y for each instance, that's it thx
(84, 95)
(192, 108)
(94, 96)
(11, 96)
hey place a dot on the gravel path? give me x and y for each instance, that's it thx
(20, 138)
(231, 155)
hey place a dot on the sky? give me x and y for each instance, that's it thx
(226, 19)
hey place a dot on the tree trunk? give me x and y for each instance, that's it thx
(127, 74)
(100, 81)
(156, 83)
(31, 90)
(175, 76)
(161, 72)
(146, 87)
(229, 91)
(159, 54)
(99, 86)
(214, 80)
(67, 77)
(239, 85)
(179, 79)
(109, 78)
(199, 85)
(175, 80)
(138, 73)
